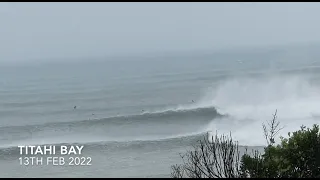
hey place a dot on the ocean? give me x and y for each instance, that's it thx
(135, 115)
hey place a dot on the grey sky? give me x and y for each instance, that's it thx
(41, 31)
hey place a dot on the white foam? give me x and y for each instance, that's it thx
(251, 102)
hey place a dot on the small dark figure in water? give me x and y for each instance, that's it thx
(142, 110)
(74, 107)
(92, 114)
(193, 101)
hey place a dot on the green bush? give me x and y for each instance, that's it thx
(297, 156)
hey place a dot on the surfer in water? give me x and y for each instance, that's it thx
(192, 101)
(75, 107)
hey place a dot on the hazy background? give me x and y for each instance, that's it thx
(170, 72)
(61, 31)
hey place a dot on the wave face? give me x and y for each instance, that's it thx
(146, 126)
(238, 105)
(187, 103)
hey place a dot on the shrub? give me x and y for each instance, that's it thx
(297, 156)
(210, 160)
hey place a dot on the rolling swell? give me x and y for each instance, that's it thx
(113, 146)
(147, 116)
(138, 127)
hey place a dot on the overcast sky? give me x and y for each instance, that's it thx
(42, 31)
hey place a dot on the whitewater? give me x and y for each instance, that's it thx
(137, 116)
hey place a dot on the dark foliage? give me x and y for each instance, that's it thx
(297, 156)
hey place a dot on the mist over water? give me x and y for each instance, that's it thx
(136, 113)
(251, 102)
(137, 84)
